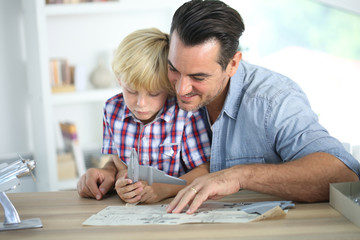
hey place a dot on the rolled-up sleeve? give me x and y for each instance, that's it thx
(296, 132)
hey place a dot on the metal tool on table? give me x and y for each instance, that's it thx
(9, 179)
(150, 174)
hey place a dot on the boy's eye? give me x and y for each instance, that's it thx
(172, 68)
(131, 91)
(154, 94)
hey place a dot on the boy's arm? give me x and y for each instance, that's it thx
(120, 166)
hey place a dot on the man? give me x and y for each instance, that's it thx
(265, 137)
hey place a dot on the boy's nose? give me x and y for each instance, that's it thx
(141, 101)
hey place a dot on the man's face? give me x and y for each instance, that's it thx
(195, 74)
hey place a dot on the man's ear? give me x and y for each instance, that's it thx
(234, 64)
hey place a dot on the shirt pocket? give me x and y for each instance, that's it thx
(168, 157)
(168, 149)
(244, 160)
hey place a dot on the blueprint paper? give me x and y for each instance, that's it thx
(210, 212)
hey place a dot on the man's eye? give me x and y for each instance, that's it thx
(198, 78)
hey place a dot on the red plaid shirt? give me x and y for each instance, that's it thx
(175, 142)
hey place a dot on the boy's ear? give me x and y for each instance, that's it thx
(234, 63)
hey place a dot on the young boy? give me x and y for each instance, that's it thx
(145, 116)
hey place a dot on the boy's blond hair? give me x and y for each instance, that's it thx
(140, 61)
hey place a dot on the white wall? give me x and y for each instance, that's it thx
(15, 117)
(14, 133)
(14, 112)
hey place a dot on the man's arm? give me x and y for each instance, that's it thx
(306, 179)
(96, 182)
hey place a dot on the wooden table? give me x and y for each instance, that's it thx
(63, 212)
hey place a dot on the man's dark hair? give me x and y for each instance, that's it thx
(197, 21)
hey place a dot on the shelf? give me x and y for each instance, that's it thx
(100, 7)
(81, 8)
(96, 95)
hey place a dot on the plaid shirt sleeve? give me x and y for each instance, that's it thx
(195, 142)
(107, 147)
(111, 109)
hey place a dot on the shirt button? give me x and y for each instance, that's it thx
(146, 159)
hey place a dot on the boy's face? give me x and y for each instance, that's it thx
(143, 104)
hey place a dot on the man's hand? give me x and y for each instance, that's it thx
(211, 186)
(96, 182)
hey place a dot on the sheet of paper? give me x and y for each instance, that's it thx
(210, 212)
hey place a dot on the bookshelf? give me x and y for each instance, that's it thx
(79, 33)
(100, 95)
(102, 7)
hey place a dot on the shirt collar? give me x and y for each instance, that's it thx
(233, 98)
(127, 113)
(168, 109)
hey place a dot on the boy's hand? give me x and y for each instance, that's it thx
(137, 192)
(95, 183)
(128, 192)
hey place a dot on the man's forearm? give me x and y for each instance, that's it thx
(110, 166)
(306, 179)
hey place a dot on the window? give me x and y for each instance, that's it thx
(317, 46)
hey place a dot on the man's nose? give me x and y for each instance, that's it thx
(183, 85)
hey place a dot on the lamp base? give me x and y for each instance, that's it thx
(24, 224)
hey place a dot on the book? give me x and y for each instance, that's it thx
(66, 166)
(61, 75)
(71, 144)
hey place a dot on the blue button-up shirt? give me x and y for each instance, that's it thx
(267, 118)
